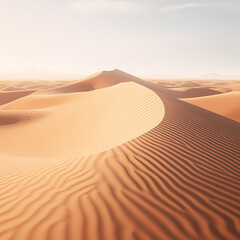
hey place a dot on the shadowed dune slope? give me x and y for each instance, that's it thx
(188, 88)
(226, 104)
(110, 78)
(96, 81)
(6, 97)
(191, 92)
(179, 180)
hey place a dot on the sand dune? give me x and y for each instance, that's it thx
(6, 97)
(35, 85)
(86, 123)
(191, 92)
(171, 174)
(105, 79)
(197, 88)
(227, 104)
(96, 81)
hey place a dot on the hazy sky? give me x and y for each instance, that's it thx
(144, 37)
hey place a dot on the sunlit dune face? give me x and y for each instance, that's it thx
(115, 157)
(225, 104)
(79, 123)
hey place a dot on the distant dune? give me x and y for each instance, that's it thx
(226, 104)
(114, 157)
(6, 96)
(34, 74)
(96, 81)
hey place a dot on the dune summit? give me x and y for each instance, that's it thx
(115, 157)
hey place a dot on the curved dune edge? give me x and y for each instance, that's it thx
(93, 82)
(78, 124)
(178, 181)
(6, 97)
(225, 104)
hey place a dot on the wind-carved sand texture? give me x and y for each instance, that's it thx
(170, 170)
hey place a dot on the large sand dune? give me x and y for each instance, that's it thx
(82, 123)
(160, 168)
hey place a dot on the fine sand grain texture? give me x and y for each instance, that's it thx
(158, 167)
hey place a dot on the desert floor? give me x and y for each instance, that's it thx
(116, 157)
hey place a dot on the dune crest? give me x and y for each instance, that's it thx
(79, 123)
(96, 81)
(119, 163)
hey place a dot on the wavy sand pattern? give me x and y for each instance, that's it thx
(180, 180)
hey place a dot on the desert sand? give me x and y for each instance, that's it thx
(226, 104)
(218, 96)
(116, 157)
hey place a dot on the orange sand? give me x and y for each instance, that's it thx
(79, 124)
(114, 157)
(226, 104)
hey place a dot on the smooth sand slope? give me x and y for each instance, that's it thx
(226, 104)
(6, 96)
(78, 123)
(179, 180)
(190, 92)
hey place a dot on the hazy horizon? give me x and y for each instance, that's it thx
(145, 38)
(33, 74)
(119, 119)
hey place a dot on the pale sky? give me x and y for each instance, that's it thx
(142, 37)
